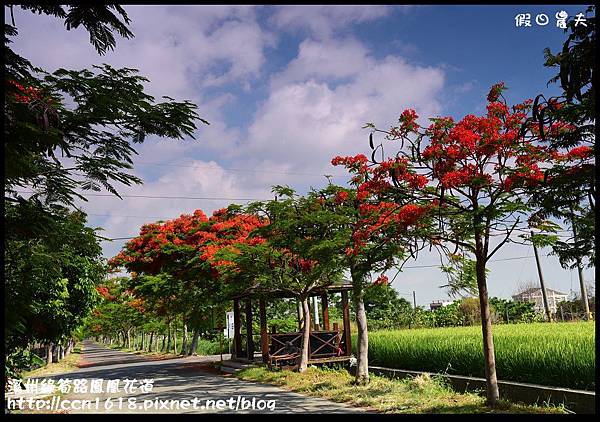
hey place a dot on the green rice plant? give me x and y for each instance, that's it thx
(555, 354)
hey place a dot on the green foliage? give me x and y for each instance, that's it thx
(64, 132)
(448, 316)
(94, 134)
(99, 20)
(77, 114)
(50, 275)
(301, 251)
(557, 354)
(510, 311)
(19, 360)
(211, 347)
(384, 308)
(573, 309)
(569, 193)
(462, 278)
(51, 269)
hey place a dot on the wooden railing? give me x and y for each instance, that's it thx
(322, 344)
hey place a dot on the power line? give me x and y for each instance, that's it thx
(491, 260)
(168, 197)
(242, 170)
(129, 216)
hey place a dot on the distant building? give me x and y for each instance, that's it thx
(534, 295)
(438, 304)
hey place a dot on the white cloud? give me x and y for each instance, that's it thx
(175, 47)
(318, 104)
(324, 21)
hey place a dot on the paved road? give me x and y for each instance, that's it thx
(177, 381)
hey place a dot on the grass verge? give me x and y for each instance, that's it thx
(68, 364)
(422, 394)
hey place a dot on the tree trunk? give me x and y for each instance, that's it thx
(362, 368)
(162, 347)
(49, 348)
(129, 338)
(175, 337)
(143, 345)
(169, 337)
(305, 337)
(184, 341)
(150, 342)
(493, 393)
(194, 345)
(55, 353)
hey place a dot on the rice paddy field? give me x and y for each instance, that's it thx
(554, 354)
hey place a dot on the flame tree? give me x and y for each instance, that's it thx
(479, 170)
(296, 251)
(172, 263)
(377, 231)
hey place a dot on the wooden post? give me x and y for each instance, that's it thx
(264, 336)
(325, 306)
(249, 340)
(237, 339)
(346, 313)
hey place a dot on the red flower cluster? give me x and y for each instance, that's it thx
(341, 197)
(408, 122)
(26, 95)
(383, 219)
(527, 175)
(461, 154)
(469, 175)
(104, 292)
(207, 236)
(397, 168)
(580, 153)
(382, 279)
(358, 163)
(137, 304)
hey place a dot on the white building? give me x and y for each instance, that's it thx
(534, 295)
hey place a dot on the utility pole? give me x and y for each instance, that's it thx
(414, 300)
(539, 268)
(584, 296)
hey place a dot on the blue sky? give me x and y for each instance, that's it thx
(286, 88)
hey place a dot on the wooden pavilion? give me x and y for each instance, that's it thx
(327, 343)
